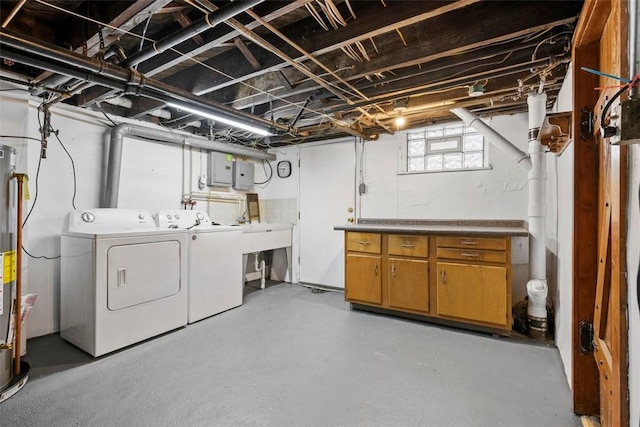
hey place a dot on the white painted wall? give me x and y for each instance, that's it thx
(497, 193)
(562, 184)
(154, 177)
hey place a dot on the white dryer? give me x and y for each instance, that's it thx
(214, 252)
(122, 279)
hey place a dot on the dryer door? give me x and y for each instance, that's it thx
(140, 273)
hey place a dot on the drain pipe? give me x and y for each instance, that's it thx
(537, 288)
(260, 267)
(537, 188)
(118, 133)
(516, 155)
(535, 162)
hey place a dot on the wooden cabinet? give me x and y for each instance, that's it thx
(408, 284)
(472, 292)
(474, 280)
(462, 280)
(364, 278)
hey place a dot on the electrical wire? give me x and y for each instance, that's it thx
(265, 172)
(635, 80)
(105, 114)
(195, 60)
(73, 168)
(20, 137)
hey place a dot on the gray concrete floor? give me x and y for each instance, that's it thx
(291, 357)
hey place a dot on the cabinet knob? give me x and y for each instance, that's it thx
(363, 242)
(407, 245)
(375, 270)
(393, 270)
(443, 276)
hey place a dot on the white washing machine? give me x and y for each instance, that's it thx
(214, 252)
(123, 280)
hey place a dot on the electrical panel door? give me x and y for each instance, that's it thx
(219, 169)
(242, 175)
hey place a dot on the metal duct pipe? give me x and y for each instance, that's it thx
(52, 58)
(112, 185)
(517, 155)
(537, 189)
(210, 20)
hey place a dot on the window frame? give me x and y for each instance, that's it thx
(405, 158)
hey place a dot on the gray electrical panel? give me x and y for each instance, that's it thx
(219, 169)
(242, 175)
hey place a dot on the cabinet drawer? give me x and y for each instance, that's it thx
(491, 243)
(471, 255)
(363, 242)
(407, 245)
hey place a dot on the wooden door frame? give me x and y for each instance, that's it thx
(592, 161)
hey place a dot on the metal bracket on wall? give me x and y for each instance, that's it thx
(586, 123)
(586, 337)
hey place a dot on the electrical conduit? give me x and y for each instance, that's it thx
(118, 133)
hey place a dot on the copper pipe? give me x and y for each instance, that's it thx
(16, 367)
(13, 13)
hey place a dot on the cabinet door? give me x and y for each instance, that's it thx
(408, 284)
(364, 273)
(473, 292)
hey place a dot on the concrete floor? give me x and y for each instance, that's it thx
(291, 357)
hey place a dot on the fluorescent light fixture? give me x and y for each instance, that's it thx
(234, 123)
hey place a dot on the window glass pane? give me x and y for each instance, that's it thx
(415, 135)
(453, 161)
(434, 162)
(444, 145)
(434, 132)
(473, 142)
(415, 147)
(453, 130)
(416, 164)
(473, 160)
(469, 129)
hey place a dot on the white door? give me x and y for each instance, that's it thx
(327, 199)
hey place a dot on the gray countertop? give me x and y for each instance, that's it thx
(449, 227)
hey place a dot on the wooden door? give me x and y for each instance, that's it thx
(600, 287)
(408, 284)
(609, 319)
(364, 278)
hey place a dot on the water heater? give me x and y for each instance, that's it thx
(7, 255)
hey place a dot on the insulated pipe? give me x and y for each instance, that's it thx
(537, 189)
(52, 58)
(112, 186)
(210, 20)
(517, 155)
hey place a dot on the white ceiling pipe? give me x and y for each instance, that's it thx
(161, 112)
(537, 189)
(517, 155)
(120, 102)
(112, 181)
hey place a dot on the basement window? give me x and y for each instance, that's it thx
(447, 147)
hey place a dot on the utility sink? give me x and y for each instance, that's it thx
(262, 236)
(258, 237)
(258, 227)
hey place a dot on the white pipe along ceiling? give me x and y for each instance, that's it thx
(119, 132)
